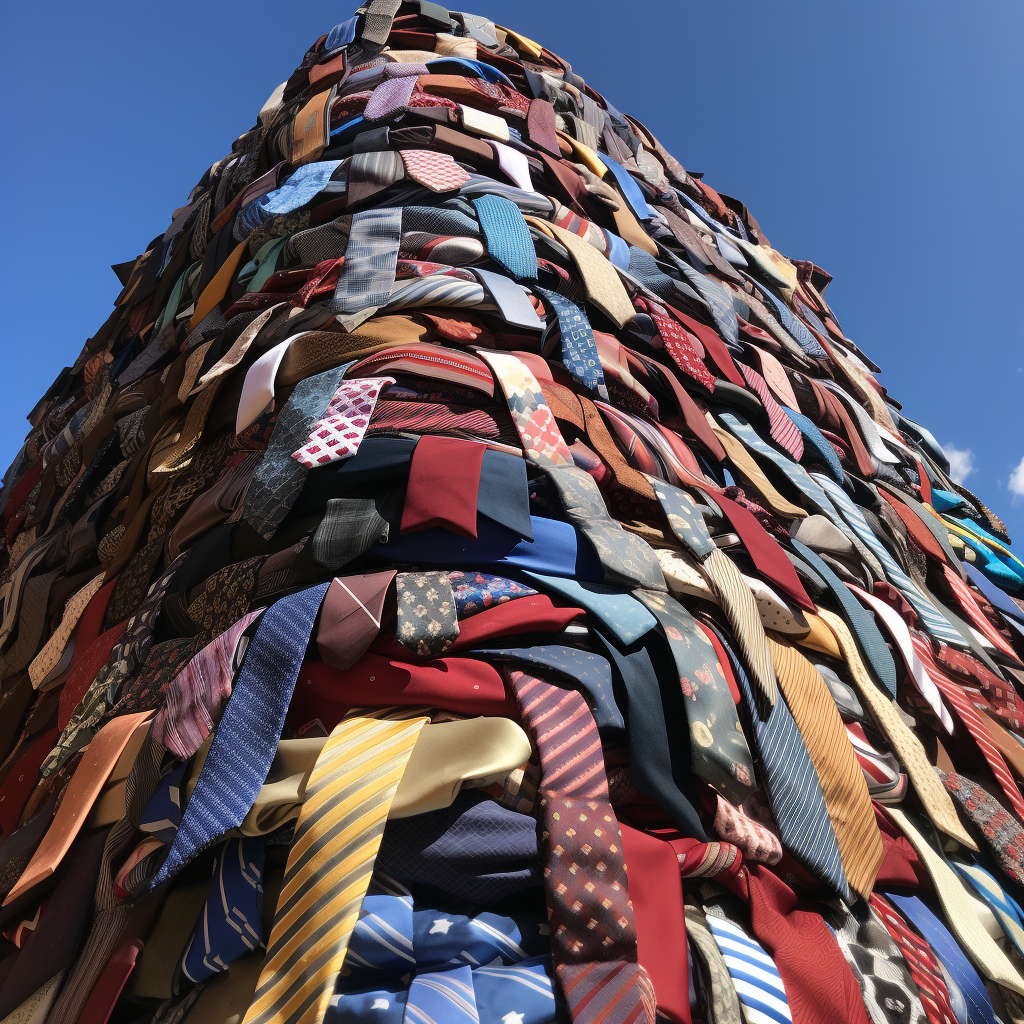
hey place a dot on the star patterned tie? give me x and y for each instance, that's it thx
(593, 937)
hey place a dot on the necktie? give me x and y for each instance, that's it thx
(477, 591)
(797, 801)
(531, 415)
(920, 960)
(760, 990)
(968, 929)
(427, 622)
(279, 477)
(350, 617)
(371, 260)
(196, 696)
(903, 742)
(812, 434)
(579, 349)
(507, 236)
(442, 996)
(718, 749)
(782, 428)
(885, 982)
(970, 605)
(392, 95)
(52, 650)
(722, 1003)
(593, 937)
(329, 867)
(679, 345)
(338, 433)
(625, 558)
(244, 744)
(842, 781)
(437, 171)
(972, 720)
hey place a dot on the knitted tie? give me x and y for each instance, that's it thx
(508, 238)
(579, 349)
(593, 937)
(239, 759)
(329, 866)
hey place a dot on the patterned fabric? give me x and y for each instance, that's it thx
(579, 349)
(477, 591)
(370, 263)
(339, 432)
(427, 616)
(679, 344)
(757, 842)
(507, 236)
(437, 171)
(783, 429)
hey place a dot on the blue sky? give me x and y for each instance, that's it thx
(882, 140)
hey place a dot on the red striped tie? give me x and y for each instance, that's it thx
(921, 960)
(593, 936)
(973, 609)
(782, 428)
(969, 716)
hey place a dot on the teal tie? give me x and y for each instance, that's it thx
(508, 238)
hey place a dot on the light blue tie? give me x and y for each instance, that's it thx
(507, 236)
(442, 996)
(817, 439)
(243, 747)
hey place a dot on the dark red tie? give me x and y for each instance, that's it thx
(593, 935)
(444, 477)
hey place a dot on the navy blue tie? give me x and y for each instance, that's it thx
(579, 349)
(246, 739)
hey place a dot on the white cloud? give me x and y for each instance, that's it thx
(1016, 481)
(961, 462)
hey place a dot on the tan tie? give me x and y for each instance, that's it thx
(904, 743)
(744, 462)
(842, 781)
(45, 661)
(215, 291)
(979, 946)
(604, 289)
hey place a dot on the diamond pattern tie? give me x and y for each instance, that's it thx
(330, 862)
(678, 344)
(919, 957)
(531, 415)
(246, 740)
(579, 350)
(437, 171)
(339, 432)
(593, 937)
(508, 238)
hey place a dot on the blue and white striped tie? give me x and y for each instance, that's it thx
(754, 975)
(442, 996)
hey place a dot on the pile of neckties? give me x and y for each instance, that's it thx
(471, 578)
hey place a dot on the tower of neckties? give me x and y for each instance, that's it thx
(471, 578)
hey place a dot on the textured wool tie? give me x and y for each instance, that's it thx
(593, 937)
(902, 741)
(279, 477)
(579, 349)
(842, 781)
(508, 238)
(920, 959)
(794, 791)
(242, 750)
(330, 862)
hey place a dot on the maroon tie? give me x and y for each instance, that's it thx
(444, 477)
(593, 936)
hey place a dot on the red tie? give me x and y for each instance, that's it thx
(969, 716)
(444, 477)
(593, 936)
(678, 344)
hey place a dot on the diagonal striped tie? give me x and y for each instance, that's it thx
(842, 781)
(781, 427)
(971, 719)
(442, 997)
(758, 984)
(329, 867)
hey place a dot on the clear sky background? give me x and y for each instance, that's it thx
(882, 140)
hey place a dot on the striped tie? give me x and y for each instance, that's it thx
(329, 867)
(971, 719)
(442, 997)
(920, 959)
(842, 781)
(754, 974)
(973, 609)
(593, 936)
(904, 743)
(781, 427)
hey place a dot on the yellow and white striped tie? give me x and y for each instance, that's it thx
(329, 867)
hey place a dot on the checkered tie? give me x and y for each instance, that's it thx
(437, 171)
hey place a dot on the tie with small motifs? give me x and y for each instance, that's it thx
(593, 936)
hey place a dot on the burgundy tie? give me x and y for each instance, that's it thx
(593, 935)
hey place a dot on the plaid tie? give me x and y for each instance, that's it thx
(593, 937)
(371, 260)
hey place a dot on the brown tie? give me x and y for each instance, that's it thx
(350, 617)
(846, 792)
